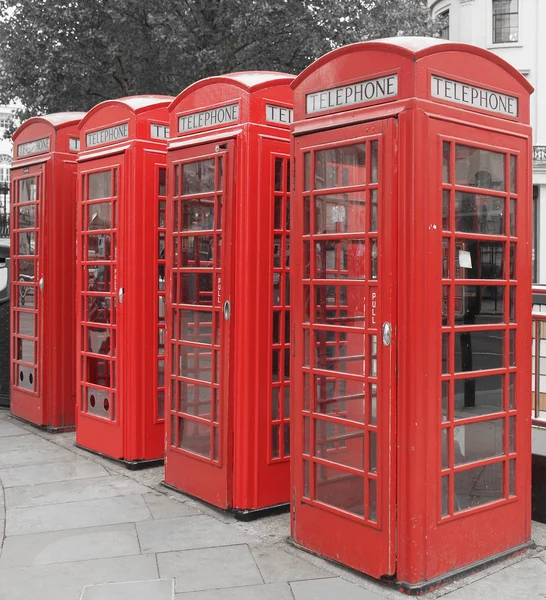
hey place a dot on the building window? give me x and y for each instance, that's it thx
(5, 120)
(505, 21)
(443, 20)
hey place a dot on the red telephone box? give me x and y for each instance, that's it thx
(43, 200)
(121, 279)
(228, 307)
(411, 288)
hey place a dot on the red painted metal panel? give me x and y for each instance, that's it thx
(43, 247)
(242, 120)
(121, 278)
(461, 307)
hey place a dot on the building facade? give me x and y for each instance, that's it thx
(6, 150)
(512, 30)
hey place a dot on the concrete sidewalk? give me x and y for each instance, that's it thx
(74, 526)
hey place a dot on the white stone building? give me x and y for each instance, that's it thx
(6, 150)
(514, 30)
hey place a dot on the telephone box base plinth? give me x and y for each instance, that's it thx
(48, 428)
(132, 465)
(418, 589)
(238, 513)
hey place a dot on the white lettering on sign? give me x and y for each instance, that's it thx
(356, 93)
(111, 134)
(374, 307)
(278, 114)
(209, 118)
(159, 132)
(34, 147)
(470, 95)
(74, 144)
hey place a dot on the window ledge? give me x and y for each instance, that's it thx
(504, 45)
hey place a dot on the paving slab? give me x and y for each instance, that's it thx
(210, 568)
(271, 591)
(90, 513)
(164, 507)
(77, 468)
(10, 429)
(327, 589)
(34, 454)
(65, 581)
(186, 533)
(69, 546)
(525, 579)
(160, 589)
(77, 490)
(276, 565)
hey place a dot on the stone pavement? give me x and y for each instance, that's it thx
(74, 526)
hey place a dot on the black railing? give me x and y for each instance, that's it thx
(539, 154)
(4, 225)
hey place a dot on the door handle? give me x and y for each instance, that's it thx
(227, 310)
(41, 284)
(386, 333)
(120, 295)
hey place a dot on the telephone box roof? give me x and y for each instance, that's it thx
(56, 120)
(413, 47)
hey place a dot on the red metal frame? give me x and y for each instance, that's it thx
(121, 278)
(438, 522)
(230, 238)
(43, 275)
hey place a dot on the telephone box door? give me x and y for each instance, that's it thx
(199, 225)
(345, 313)
(100, 299)
(27, 193)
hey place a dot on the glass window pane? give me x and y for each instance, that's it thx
(476, 259)
(340, 352)
(196, 288)
(479, 305)
(99, 216)
(478, 396)
(198, 215)
(479, 214)
(26, 243)
(341, 305)
(340, 397)
(474, 487)
(162, 183)
(197, 251)
(195, 363)
(195, 399)
(27, 190)
(445, 162)
(479, 168)
(478, 441)
(98, 278)
(25, 350)
(513, 174)
(98, 309)
(25, 324)
(375, 161)
(339, 167)
(339, 489)
(198, 177)
(340, 259)
(98, 247)
(340, 213)
(446, 195)
(27, 216)
(196, 326)
(98, 340)
(194, 437)
(100, 185)
(340, 444)
(479, 350)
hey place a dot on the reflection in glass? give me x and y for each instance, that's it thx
(513, 174)
(373, 210)
(339, 489)
(98, 371)
(198, 215)
(25, 268)
(340, 167)
(478, 396)
(98, 340)
(98, 278)
(98, 309)
(446, 195)
(25, 350)
(198, 177)
(340, 259)
(374, 161)
(329, 435)
(196, 326)
(477, 486)
(26, 243)
(446, 148)
(445, 448)
(480, 305)
(479, 168)
(340, 213)
(27, 216)
(196, 288)
(100, 185)
(479, 350)
(332, 354)
(486, 259)
(162, 184)
(479, 214)
(306, 171)
(512, 217)
(445, 400)
(340, 305)
(25, 325)
(512, 477)
(195, 399)
(194, 437)
(478, 441)
(98, 247)
(27, 190)
(99, 216)
(25, 296)
(445, 496)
